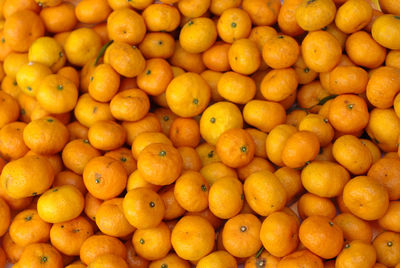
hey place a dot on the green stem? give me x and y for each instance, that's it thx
(102, 51)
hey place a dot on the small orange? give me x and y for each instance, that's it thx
(104, 83)
(387, 76)
(161, 17)
(347, 79)
(350, 24)
(226, 197)
(255, 165)
(385, 30)
(155, 77)
(9, 109)
(386, 245)
(235, 147)
(12, 145)
(68, 237)
(191, 191)
(314, 15)
(27, 176)
(236, 87)
(357, 195)
(152, 243)
(386, 171)
(111, 220)
(190, 62)
(320, 126)
(106, 135)
(124, 155)
(109, 260)
(193, 238)
(190, 157)
(276, 141)
(300, 148)
(287, 18)
(28, 228)
(77, 153)
(321, 51)
(281, 51)
(149, 123)
(146, 138)
(125, 105)
(143, 208)
(185, 132)
(241, 235)
(157, 45)
(40, 255)
(125, 59)
(5, 214)
(126, 25)
(353, 228)
(89, 11)
(212, 78)
(22, 28)
(216, 57)
(98, 245)
(291, 181)
(279, 84)
(55, 23)
(135, 181)
(269, 10)
(264, 192)
(216, 170)
(257, 113)
(389, 220)
(233, 24)
(321, 236)
(171, 260)
(244, 56)
(198, 35)
(300, 258)
(92, 204)
(173, 209)
(104, 177)
(356, 254)
(312, 205)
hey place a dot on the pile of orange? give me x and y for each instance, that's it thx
(200, 133)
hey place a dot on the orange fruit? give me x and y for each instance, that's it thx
(386, 245)
(198, 35)
(386, 171)
(157, 45)
(389, 220)
(244, 56)
(385, 30)
(226, 197)
(191, 191)
(236, 87)
(109, 260)
(126, 25)
(257, 113)
(353, 227)
(216, 57)
(301, 258)
(233, 24)
(193, 238)
(185, 132)
(357, 196)
(314, 15)
(77, 153)
(98, 245)
(106, 135)
(356, 254)
(161, 17)
(269, 10)
(321, 236)
(279, 84)
(276, 140)
(55, 23)
(281, 51)
(40, 255)
(313, 205)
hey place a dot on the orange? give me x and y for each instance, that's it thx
(218, 6)
(193, 8)
(359, 48)
(291, 181)
(124, 155)
(77, 131)
(45, 136)
(207, 153)
(92, 204)
(347, 79)
(390, 6)
(30, 76)
(48, 3)
(321, 51)
(309, 96)
(385, 30)
(146, 138)
(22, 28)
(316, 14)
(276, 141)
(386, 245)
(132, 258)
(12, 145)
(155, 77)
(125, 59)
(185, 132)
(27, 228)
(279, 84)
(385, 137)
(104, 83)
(216, 170)
(320, 126)
(386, 171)
(57, 94)
(357, 196)
(13, 251)
(324, 178)
(111, 220)
(9, 109)
(191, 191)
(68, 237)
(212, 78)
(374, 149)
(226, 197)
(161, 17)
(82, 45)
(236, 87)
(48, 51)
(217, 259)
(168, 160)
(354, 228)
(191, 62)
(59, 204)
(152, 243)
(264, 259)
(55, 23)
(173, 209)
(259, 139)
(149, 123)
(106, 135)
(261, 34)
(143, 208)
(255, 165)
(70, 73)
(126, 25)
(125, 105)
(198, 35)
(192, 238)
(346, 149)
(235, 147)
(137, 181)
(104, 177)
(90, 11)
(313, 205)
(356, 254)
(190, 157)
(279, 234)
(157, 45)
(27, 176)
(301, 258)
(269, 10)
(109, 260)
(349, 23)
(257, 113)
(392, 58)
(241, 235)
(170, 260)
(166, 117)
(5, 214)
(77, 153)
(300, 148)
(287, 18)
(281, 51)
(321, 236)
(98, 245)
(244, 56)
(387, 76)
(216, 57)
(264, 192)
(40, 255)
(13, 62)
(233, 24)
(389, 220)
